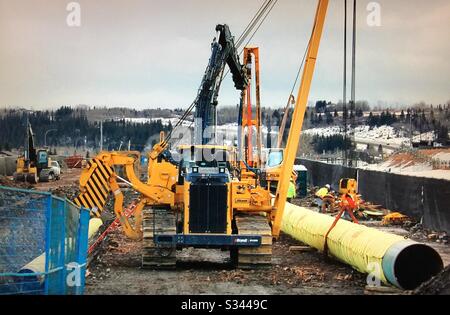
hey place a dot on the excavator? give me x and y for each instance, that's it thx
(209, 197)
(35, 164)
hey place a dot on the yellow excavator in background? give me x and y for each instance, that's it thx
(209, 197)
(35, 164)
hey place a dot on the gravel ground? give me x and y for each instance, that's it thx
(438, 285)
(116, 267)
(117, 271)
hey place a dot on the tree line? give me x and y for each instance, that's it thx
(417, 119)
(331, 144)
(71, 127)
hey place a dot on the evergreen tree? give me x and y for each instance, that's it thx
(442, 134)
(329, 118)
(312, 119)
(402, 116)
(345, 112)
(321, 106)
(380, 149)
(276, 117)
(352, 115)
(73, 126)
(359, 112)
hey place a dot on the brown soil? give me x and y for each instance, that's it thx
(438, 285)
(117, 271)
(116, 267)
(8, 182)
(410, 159)
(69, 178)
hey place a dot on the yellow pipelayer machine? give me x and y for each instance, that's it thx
(203, 199)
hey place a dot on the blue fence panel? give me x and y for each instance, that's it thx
(82, 248)
(41, 237)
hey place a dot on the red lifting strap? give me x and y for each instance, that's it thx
(349, 206)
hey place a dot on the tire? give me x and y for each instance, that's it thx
(19, 177)
(31, 178)
(43, 178)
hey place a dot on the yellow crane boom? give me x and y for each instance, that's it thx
(298, 116)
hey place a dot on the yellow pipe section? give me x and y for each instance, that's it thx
(94, 226)
(37, 265)
(390, 257)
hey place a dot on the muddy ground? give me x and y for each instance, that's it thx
(69, 180)
(116, 270)
(116, 267)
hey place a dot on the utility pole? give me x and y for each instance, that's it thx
(344, 97)
(410, 129)
(27, 140)
(101, 135)
(45, 136)
(354, 54)
(353, 101)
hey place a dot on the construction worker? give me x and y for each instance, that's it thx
(320, 194)
(292, 193)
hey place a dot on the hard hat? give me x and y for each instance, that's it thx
(328, 186)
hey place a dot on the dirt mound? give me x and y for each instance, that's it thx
(406, 159)
(438, 285)
(5, 181)
(69, 192)
(412, 158)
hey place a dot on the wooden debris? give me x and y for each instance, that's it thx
(394, 218)
(301, 249)
(382, 290)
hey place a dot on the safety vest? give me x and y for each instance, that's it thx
(291, 191)
(322, 192)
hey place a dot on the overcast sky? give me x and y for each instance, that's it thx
(152, 53)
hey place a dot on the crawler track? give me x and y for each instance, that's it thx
(159, 222)
(254, 257)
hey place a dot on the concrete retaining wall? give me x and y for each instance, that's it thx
(7, 165)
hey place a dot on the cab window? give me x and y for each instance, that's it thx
(275, 158)
(42, 157)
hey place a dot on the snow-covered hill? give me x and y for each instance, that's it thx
(384, 135)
